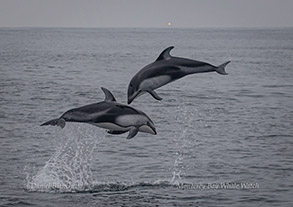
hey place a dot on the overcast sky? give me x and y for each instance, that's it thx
(146, 13)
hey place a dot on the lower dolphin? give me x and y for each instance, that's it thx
(165, 70)
(117, 118)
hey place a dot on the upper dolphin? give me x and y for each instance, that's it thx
(164, 70)
(117, 118)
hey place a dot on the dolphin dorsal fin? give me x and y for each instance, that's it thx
(108, 95)
(165, 54)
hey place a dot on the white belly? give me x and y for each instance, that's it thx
(131, 120)
(126, 122)
(155, 82)
(111, 126)
(115, 127)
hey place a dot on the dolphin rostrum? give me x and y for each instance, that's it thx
(165, 70)
(117, 118)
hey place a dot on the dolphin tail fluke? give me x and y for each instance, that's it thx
(55, 122)
(221, 68)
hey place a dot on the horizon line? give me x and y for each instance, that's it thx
(165, 27)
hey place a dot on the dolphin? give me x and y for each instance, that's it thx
(109, 114)
(164, 70)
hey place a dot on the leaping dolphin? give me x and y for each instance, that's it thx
(117, 118)
(165, 70)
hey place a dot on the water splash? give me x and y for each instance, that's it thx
(69, 168)
(184, 118)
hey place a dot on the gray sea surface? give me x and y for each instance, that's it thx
(222, 140)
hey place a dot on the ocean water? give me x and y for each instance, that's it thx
(222, 140)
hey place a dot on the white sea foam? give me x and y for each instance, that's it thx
(69, 168)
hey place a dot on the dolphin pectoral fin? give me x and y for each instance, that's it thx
(221, 68)
(132, 132)
(108, 95)
(55, 122)
(116, 132)
(155, 95)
